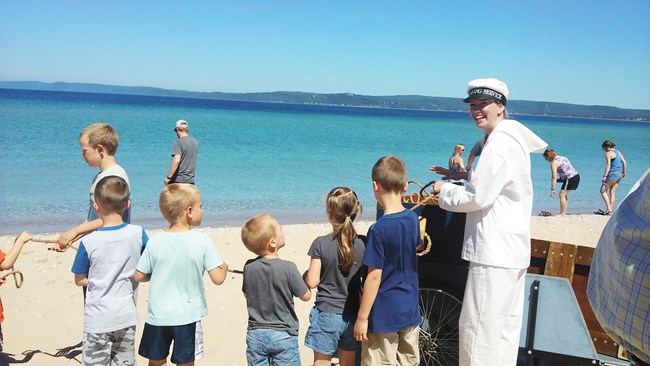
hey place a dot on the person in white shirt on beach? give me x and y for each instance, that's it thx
(498, 200)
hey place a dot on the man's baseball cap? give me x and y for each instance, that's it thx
(489, 88)
(181, 123)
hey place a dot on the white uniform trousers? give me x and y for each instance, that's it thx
(490, 320)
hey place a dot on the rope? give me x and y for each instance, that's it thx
(423, 221)
(52, 241)
(427, 249)
(428, 198)
(416, 198)
(425, 237)
(16, 274)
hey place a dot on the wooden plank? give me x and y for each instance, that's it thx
(603, 343)
(584, 255)
(579, 285)
(539, 248)
(561, 260)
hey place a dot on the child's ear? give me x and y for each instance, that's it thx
(188, 215)
(271, 244)
(375, 186)
(128, 204)
(96, 206)
(406, 187)
(100, 150)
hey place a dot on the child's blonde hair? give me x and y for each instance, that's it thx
(175, 199)
(458, 148)
(258, 231)
(343, 206)
(100, 133)
(390, 173)
(112, 194)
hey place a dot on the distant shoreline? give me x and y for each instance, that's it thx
(350, 100)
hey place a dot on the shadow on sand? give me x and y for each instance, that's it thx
(70, 352)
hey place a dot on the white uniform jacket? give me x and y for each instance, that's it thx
(498, 198)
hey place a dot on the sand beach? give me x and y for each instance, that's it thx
(44, 318)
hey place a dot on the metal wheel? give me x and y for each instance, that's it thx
(439, 313)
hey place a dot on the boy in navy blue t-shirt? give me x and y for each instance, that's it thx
(388, 318)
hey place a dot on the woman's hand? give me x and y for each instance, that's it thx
(449, 174)
(440, 170)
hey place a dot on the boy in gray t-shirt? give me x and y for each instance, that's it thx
(270, 283)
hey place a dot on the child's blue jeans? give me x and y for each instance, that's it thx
(271, 347)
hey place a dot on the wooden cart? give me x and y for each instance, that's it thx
(443, 274)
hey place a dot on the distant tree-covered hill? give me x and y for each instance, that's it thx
(347, 99)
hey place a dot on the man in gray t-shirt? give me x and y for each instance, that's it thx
(184, 153)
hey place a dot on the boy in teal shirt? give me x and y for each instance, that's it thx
(174, 262)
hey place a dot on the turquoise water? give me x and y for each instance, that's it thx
(261, 157)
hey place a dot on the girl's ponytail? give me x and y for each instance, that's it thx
(343, 206)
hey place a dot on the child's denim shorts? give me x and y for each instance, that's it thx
(271, 347)
(328, 331)
(614, 177)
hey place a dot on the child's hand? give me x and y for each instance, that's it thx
(63, 240)
(361, 330)
(57, 248)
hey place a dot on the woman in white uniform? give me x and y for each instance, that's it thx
(498, 200)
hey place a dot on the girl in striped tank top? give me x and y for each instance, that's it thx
(563, 172)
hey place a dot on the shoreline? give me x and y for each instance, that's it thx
(50, 302)
(224, 219)
(585, 228)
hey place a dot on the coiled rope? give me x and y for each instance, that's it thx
(18, 276)
(420, 199)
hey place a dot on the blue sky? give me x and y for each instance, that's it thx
(585, 52)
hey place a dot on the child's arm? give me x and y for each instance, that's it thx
(218, 274)
(370, 289)
(312, 276)
(298, 285)
(306, 296)
(81, 280)
(607, 166)
(11, 257)
(141, 277)
(65, 238)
